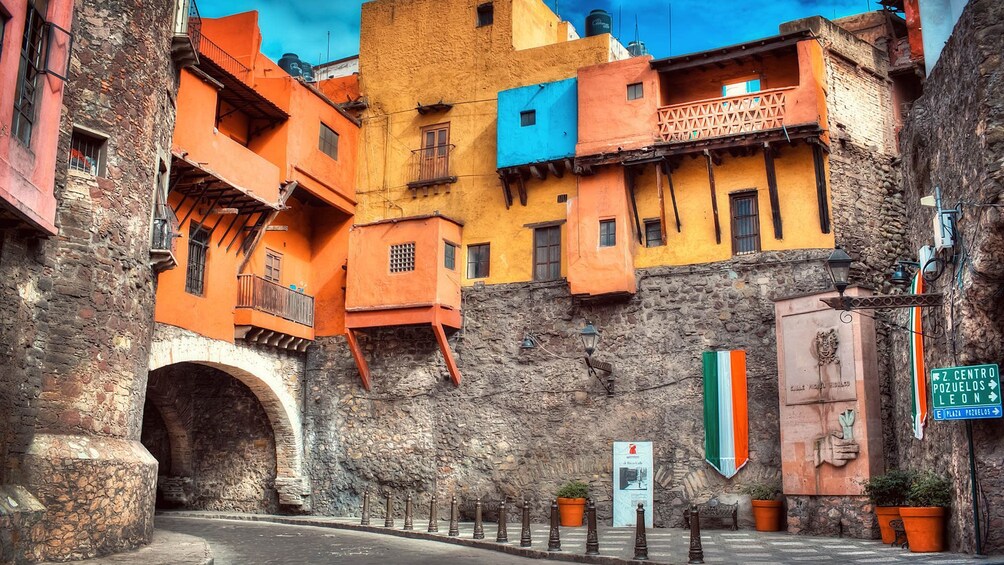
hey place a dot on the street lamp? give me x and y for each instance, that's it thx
(589, 337)
(839, 266)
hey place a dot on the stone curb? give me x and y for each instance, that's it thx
(413, 534)
(166, 548)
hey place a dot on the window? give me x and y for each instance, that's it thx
(198, 245)
(635, 91)
(608, 233)
(745, 223)
(547, 253)
(527, 118)
(741, 87)
(273, 266)
(477, 261)
(486, 14)
(329, 142)
(87, 153)
(32, 49)
(450, 257)
(653, 233)
(402, 257)
(434, 162)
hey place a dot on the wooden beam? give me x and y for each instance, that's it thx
(629, 174)
(821, 197)
(521, 189)
(662, 203)
(714, 196)
(668, 169)
(555, 169)
(192, 209)
(506, 189)
(775, 206)
(276, 228)
(224, 211)
(357, 354)
(444, 347)
(538, 173)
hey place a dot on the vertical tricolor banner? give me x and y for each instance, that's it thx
(726, 424)
(918, 374)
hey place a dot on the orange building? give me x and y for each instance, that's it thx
(260, 197)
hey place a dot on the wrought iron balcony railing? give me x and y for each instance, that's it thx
(187, 31)
(717, 117)
(432, 165)
(275, 299)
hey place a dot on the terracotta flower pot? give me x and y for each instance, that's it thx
(886, 514)
(570, 511)
(767, 515)
(925, 528)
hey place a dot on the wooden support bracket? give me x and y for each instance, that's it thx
(775, 205)
(444, 347)
(357, 354)
(714, 196)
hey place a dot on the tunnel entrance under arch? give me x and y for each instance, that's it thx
(213, 439)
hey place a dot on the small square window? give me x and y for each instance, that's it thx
(450, 260)
(486, 14)
(527, 118)
(478, 260)
(741, 87)
(608, 233)
(328, 143)
(87, 153)
(635, 91)
(402, 257)
(653, 233)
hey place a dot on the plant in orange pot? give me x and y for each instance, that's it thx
(766, 506)
(925, 512)
(888, 493)
(572, 502)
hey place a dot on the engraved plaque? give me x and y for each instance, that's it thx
(818, 359)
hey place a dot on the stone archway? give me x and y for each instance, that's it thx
(273, 378)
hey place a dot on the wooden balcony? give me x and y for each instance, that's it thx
(432, 166)
(272, 298)
(720, 117)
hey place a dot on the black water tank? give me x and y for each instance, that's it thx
(291, 64)
(597, 22)
(307, 71)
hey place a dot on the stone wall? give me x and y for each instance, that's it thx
(76, 309)
(954, 139)
(523, 422)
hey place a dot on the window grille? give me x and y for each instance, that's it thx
(198, 247)
(86, 153)
(745, 223)
(653, 233)
(608, 233)
(635, 91)
(402, 257)
(478, 260)
(547, 253)
(328, 143)
(31, 66)
(527, 118)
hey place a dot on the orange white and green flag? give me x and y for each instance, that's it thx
(918, 373)
(726, 423)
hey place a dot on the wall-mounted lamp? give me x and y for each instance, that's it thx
(901, 273)
(839, 266)
(528, 342)
(590, 337)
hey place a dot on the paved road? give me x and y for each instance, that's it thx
(262, 543)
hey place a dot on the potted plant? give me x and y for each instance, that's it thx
(924, 515)
(888, 493)
(766, 506)
(572, 502)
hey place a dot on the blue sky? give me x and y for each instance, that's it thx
(302, 26)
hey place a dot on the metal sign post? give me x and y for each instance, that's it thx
(968, 393)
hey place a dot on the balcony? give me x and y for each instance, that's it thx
(162, 242)
(271, 298)
(432, 166)
(187, 30)
(721, 117)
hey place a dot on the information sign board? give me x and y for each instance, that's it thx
(964, 393)
(632, 482)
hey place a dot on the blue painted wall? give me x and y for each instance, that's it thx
(552, 137)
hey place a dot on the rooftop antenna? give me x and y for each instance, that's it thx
(620, 20)
(329, 45)
(636, 28)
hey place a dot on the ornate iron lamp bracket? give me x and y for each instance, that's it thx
(594, 365)
(885, 301)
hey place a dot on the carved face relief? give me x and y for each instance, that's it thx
(824, 347)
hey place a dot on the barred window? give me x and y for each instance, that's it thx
(653, 233)
(198, 246)
(402, 257)
(26, 94)
(608, 233)
(87, 153)
(328, 143)
(450, 261)
(478, 260)
(745, 223)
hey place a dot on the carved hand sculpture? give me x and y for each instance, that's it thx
(835, 450)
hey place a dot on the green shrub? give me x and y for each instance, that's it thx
(573, 489)
(930, 489)
(890, 489)
(762, 491)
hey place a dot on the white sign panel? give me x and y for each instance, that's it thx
(632, 482)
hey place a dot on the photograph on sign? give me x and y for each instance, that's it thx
(632, 482)
(966, 393)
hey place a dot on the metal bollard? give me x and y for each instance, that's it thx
(433, 515)
(454, 521)
(502, 534)
(554, 537)
(365, 521)
(408, 518)
(479, 528)
(524, 532)
(640, 541)
(592, 539)
(388, 520)
(696, 549)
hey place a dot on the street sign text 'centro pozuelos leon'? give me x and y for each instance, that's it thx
(963, 393)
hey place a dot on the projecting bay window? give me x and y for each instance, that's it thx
(547, 253)
(29, 71)
(608, 233)
(198, 247)
(478, 259)
(745, 223)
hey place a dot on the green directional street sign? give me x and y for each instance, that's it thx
(963, 393)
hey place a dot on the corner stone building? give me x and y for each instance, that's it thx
(76, 309)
